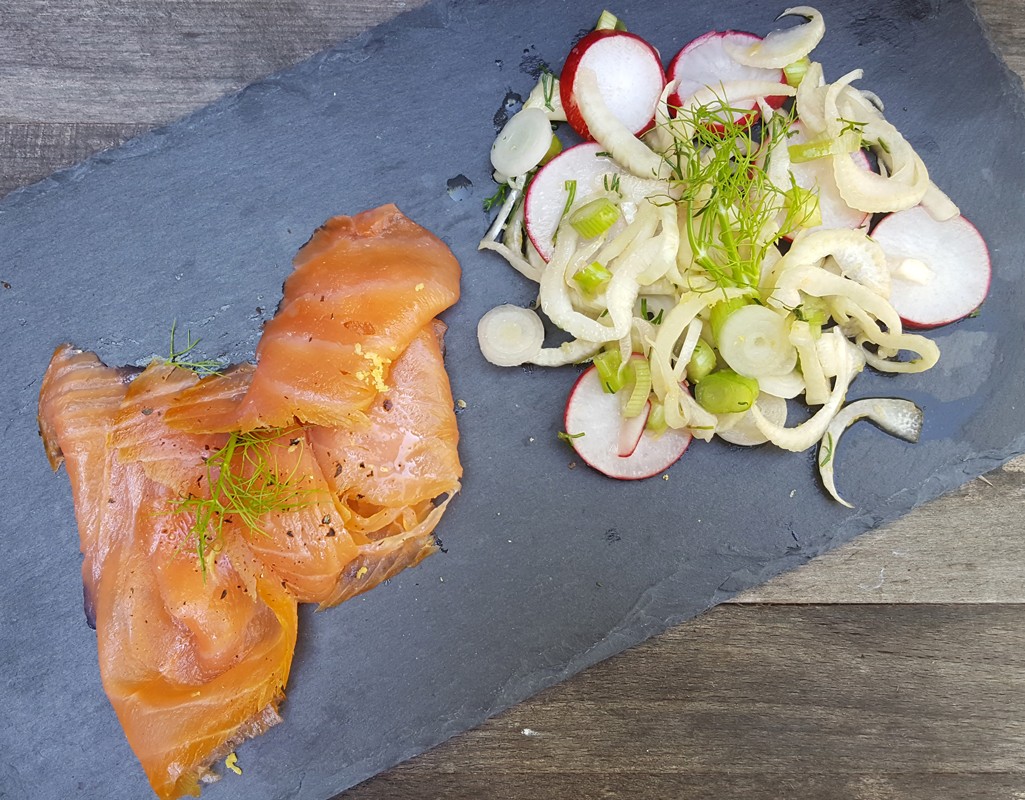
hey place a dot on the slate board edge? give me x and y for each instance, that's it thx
(156, 138)
(614, 641)
(1013, 78)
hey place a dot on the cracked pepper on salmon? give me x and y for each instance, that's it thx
(209, 507)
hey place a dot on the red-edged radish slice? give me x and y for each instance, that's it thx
(705, 62)
(630, 431)
(630, 78)
(594, 422)
(547, 194)
(817, 176)
(940, 271)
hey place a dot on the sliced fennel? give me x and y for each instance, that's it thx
(693, 270)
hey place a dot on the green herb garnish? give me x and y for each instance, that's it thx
(182, 358)
(497, 198)
(245, 484)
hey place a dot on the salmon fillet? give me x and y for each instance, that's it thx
(362, 288)
(208, 508)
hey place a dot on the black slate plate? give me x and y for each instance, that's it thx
(547, 569)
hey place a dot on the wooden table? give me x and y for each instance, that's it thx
(893, 667)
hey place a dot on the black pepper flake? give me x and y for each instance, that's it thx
(330, 531)
(147, 411)
(293, 442)
(387, 404)
(224, 593)
(110, 500)
(5, 284)
(326, 520)
(338, 468)
(289, 534)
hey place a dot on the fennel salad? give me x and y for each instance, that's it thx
(734, 233)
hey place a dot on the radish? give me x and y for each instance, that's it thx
(630, 78)
(817, 175)
(595, 424)
(705, 62)
(940, 271)
(547, 193)
(631, 430)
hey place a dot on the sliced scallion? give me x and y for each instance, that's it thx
(594, 218)
(608, 363)
(702, 361)
(592, 277)
(726, 392)
(721, 310)
(795, 72)
(656, 423)
(640, 386)
(609, 22)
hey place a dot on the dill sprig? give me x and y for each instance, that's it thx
(245, 484)
(182, 358)
(732, 205)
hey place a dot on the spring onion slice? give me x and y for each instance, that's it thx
(522, 143)
(755, 341)
(608, 364)
(509, 335)
(592, 277)
(795, 71)
(594, 218)
(640, 386)
(900, 418)
(726, 392)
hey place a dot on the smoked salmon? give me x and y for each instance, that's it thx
(362, 288)
(208, 508)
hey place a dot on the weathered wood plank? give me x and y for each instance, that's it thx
(29, 151)
(150, 61)
(1005, 20)
(764, 702)
(966, 547)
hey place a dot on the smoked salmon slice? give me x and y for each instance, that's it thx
(193, 660)
(362, 288)
(208, 508)
(78, 401)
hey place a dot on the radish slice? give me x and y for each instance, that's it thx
(783, 47)
(745, 432)
(523, 142)
(941, 270)
(509, 335)
(630, 431)
(630, 78)
(547, 194)
(817, 176)
(594, 423)
(705, 62)
(900, 418)
(754, 341)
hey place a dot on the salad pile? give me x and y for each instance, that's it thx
(716, 246)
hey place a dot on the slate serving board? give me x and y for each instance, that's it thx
(548, 569)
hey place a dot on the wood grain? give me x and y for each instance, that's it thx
(847, 702)
(890, 668)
